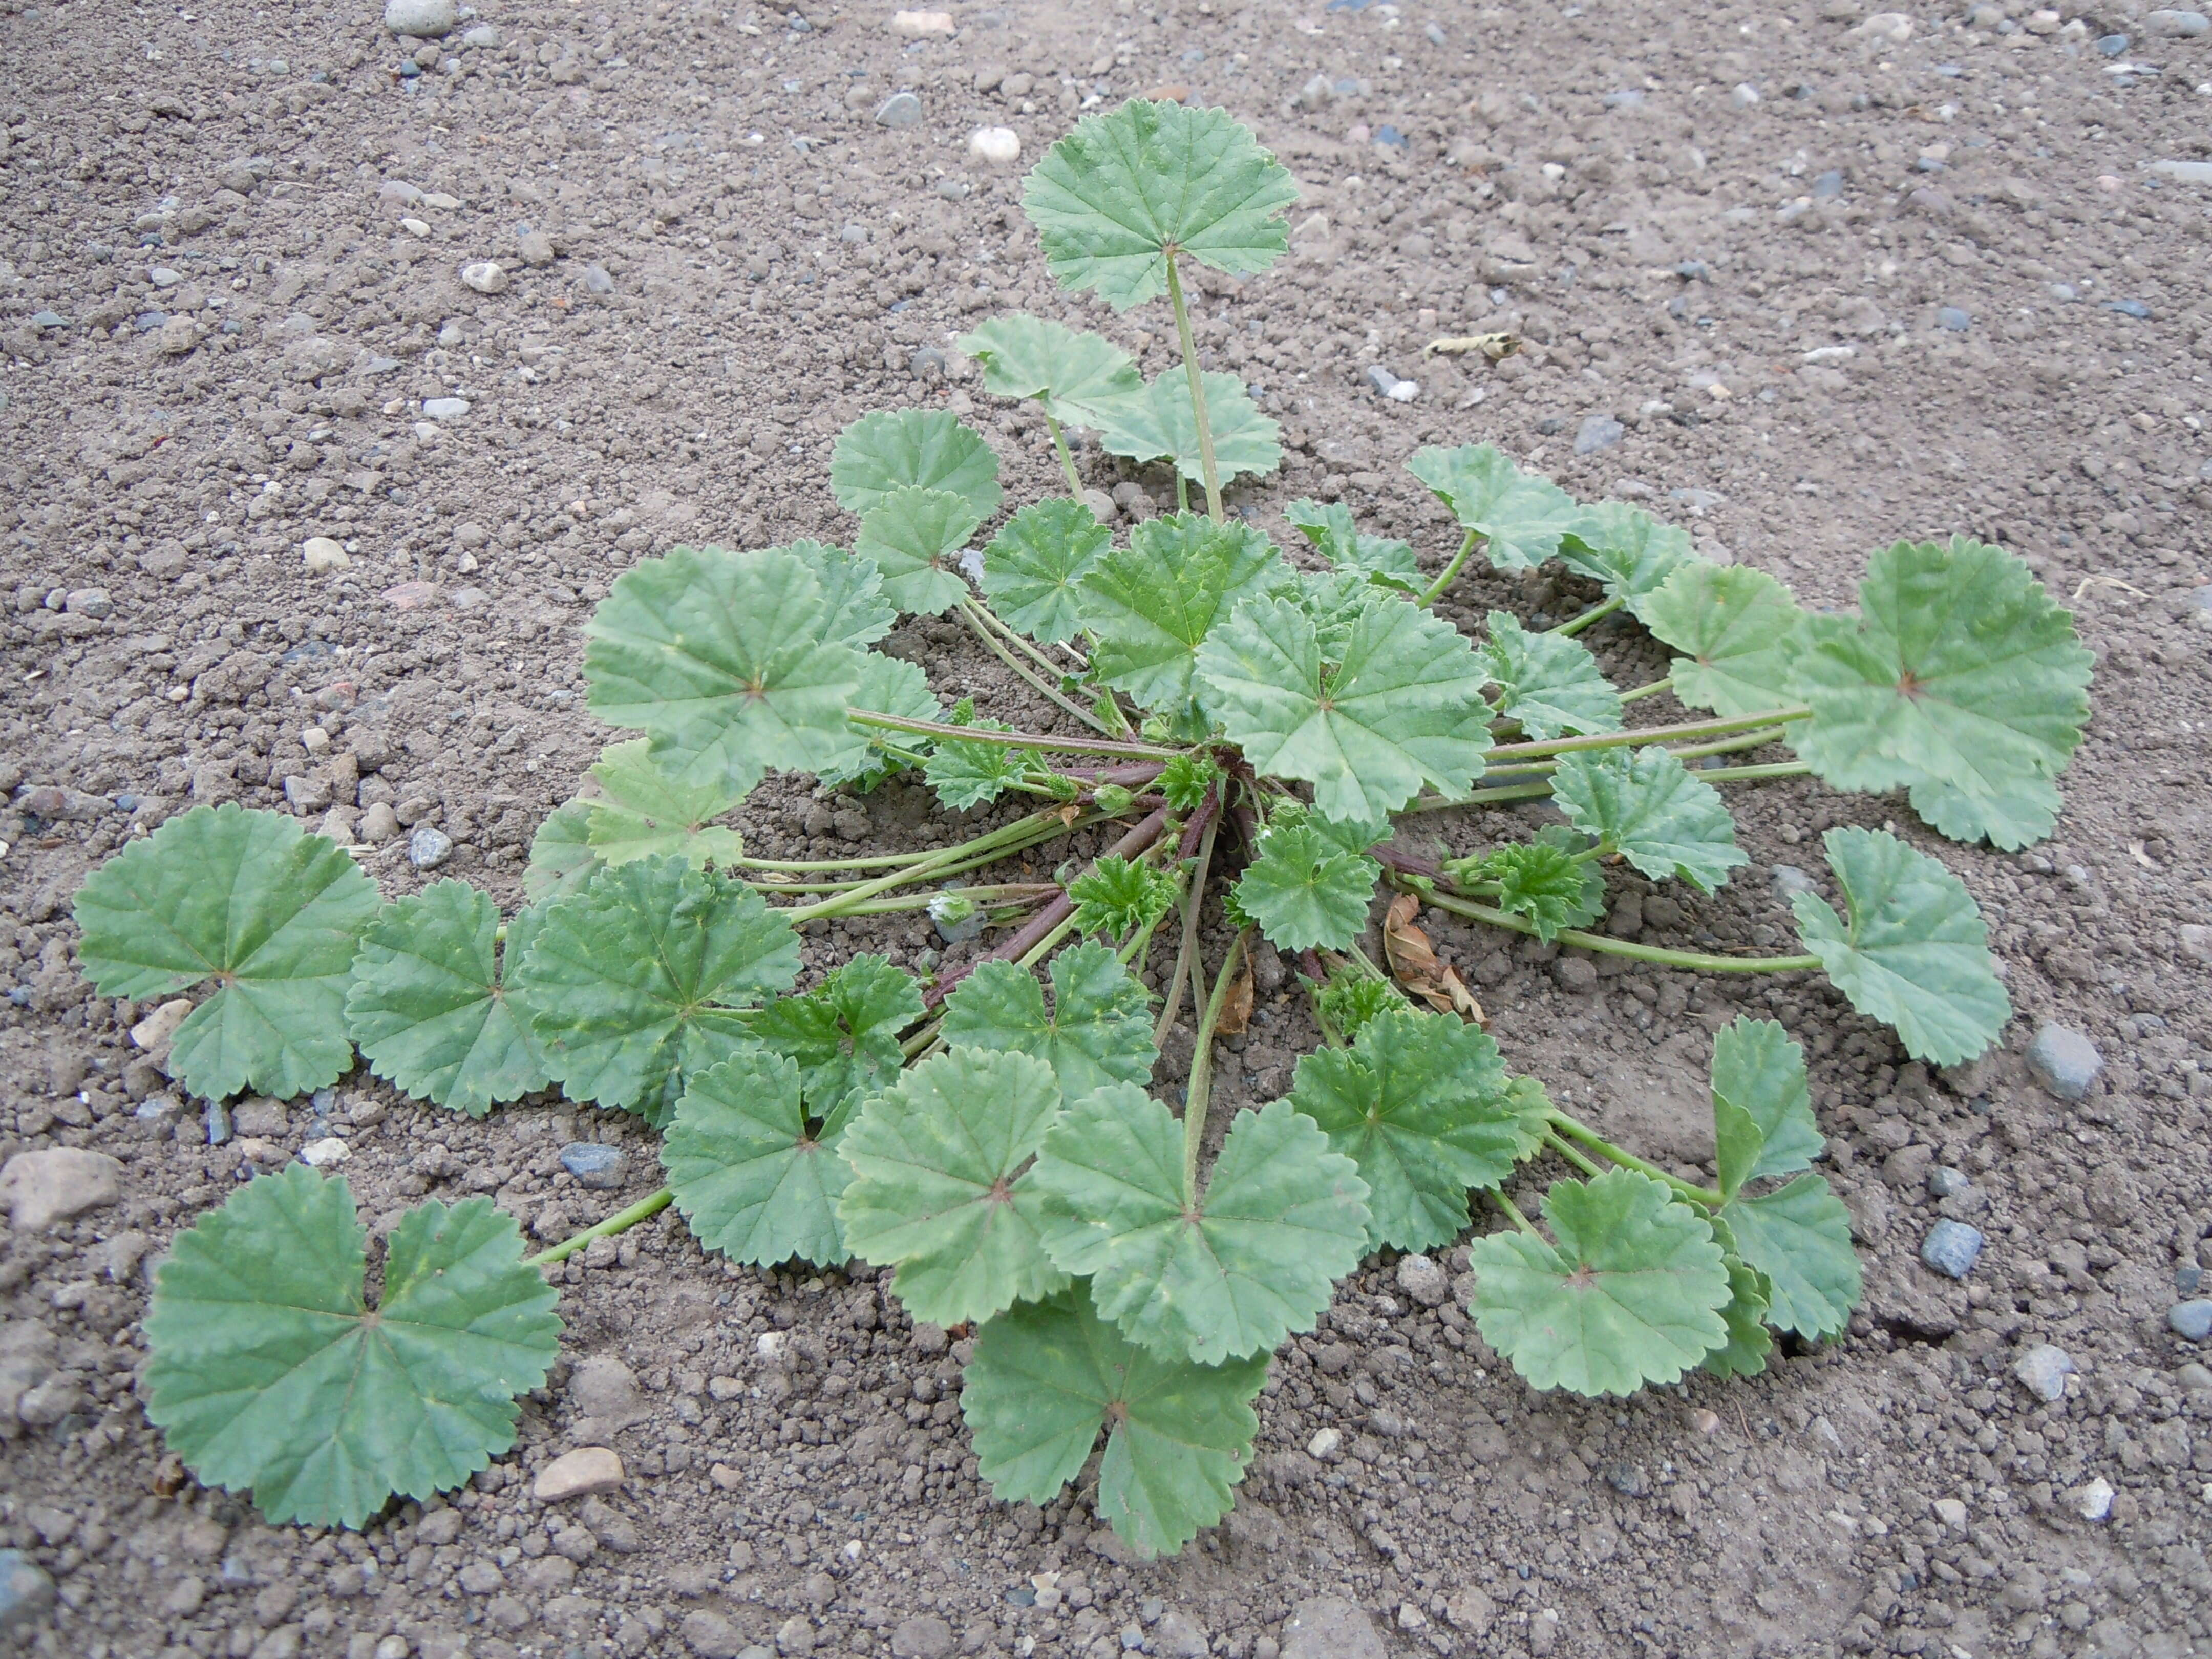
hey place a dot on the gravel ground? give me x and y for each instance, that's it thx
(1801, 279)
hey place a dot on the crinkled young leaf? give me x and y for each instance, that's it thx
(1383, 559)
(852, 594)
(1521, 515)
(1549, 683)
(1739, 630)
(755, 1177)
(1334, 600)
(1961, 676)
(1646, 806)
(1302, 892)
(1403, 708)
(1159, 422)
(1116, 897)
(242, 897)
(1799, 1237)
(844, 1034)
(915, 538)
(1112, 197)
(1749, 1341)
(1915, 952)
(1631, 1292)
(889, 685)
(561, 856)
(1099, 1031)
(643, 812)
(1419, 1102)
(1349, 1000)
(427, 1007)
(941, 1189)
(1035, 567)
(1542, 879)
(1046, 1375)
(1035, 357)
(268, 1370)
(631, 981)
(722, 660)
(1625, 548)
(965, 774)
(893, 449)
(1185, 780)
(1152, 603)
(1204, 1276)
(1762, 1109)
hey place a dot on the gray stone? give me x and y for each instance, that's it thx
(485, 276)
(425, 19)
(42, 1188)
(1952, 1247)
(600, 1168)
(536, 248)
(1953, 319)
(1828, 185)
(2192, 1321)
(900, 109)
(445, 409)
(2176, 25)
(1943, 1181)
(27, 1594)
(710, 1635)
(1597, 432)
(1330, 1627)
(1787, 879)
(2043, 1370)
(2065, 1061)
(429, 848)
(922, 1637)
(1178, 1637)
(1422, 1279)
(2187, 173)
(482, 37)
(596, 280)
(605, 1390)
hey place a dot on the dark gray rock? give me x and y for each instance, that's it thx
(1952, 1247)
(27, 1594)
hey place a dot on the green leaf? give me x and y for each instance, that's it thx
(1036, 564)
(1381, 559)
(1744, 1353)
(755, 1178)
(1799, 1237)
(643, 812)
(915, 538)
(244, 898)
(1333, 599)
(965, 774)
(268, 1370)
(1740, 631)
(631, 981)
(1548, 682)
(1302, 892)
(427, 1005)
(1915, 953)
(1034, 357)
(1520, 515)
(1350, 999)
(889, 685)
(1762, 1109)
(1112, 197)
(1632, 553)
(1153, 604)
(940, 1188)
(1403, 710)
(1116, 897)
(1646, 806)
(1961, 679)
(1158, 423)
(1099, 1031)
(888, 450)
(1630, 1294)
(852, 591)
(721, 659)
(1542, 879)
(844, 1034)
(1419, 1103)
(561, 856)
(1185, 780)
(1203, 1277)
(1046, 1375)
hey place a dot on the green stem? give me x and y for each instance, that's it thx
(1574, 625)
(1691, 730)
(1009, 739)
(1650, 690)
(1188, 952)
(1200, 1093)
(843, 903)
(620, 1222)
(1751, 773)
(1025, 896)
(1535, 790)
(997, 648)
(1045, 946)
(1197, 393)
(1458, 562)
(1183, 492)
(1498, 1195)
(1067, 460)
(1628, 1160)
(1014, 637)
(1694, 962)
(983, 843)
(1570, 1153)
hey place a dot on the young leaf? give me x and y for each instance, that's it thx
(1404, 708)
(1302, 892)
(1961, 677)
(755, 1177)
(1349, 1000)
(1799, 1237)
(1542, 879)
(561, 856)
(965, 774)
(893, 449)
(1099, 1031)
(631, 981)
(1548, 683)
(1738, 629)
(247, 900)
(1113, 198)
(1046, 1375)
(1115, 898)
(268, 1370)
(1744, 1353)
(852, 594)
(1199, 1276)
(1159, 422)
(1333, 599)
(915, 538)
(1625, 548)
(643, 812)
(1036, 564)
(1631, 1293)
(1035, 357)
(1185, 780)
(1153, 604)
(1762, 1110)
(721, 659)
(889, 685)
(844, 1033)
(1419, 1102)
(1381, 559)
(1646, 805)
(940, 1185)
(1915, 953)
(1521, 516)
(427, 1005)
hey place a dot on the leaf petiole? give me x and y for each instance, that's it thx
(1458, 563)
(1067, 460)
(1602, 608)
(1010, 740)
(997, 647)
(1186, 956)
(1598, 1144)
(1197, 395)
(1694, 961)
(1650, 734)
(1650, 690)
(620, 1222)
(1513, 1211)
(1570, 1152)
(1200, 1091)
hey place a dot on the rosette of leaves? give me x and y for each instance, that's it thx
(852, 592)
(1116, 897)
(844, 1034)
(965, 774)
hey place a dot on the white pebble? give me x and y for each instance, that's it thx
(484, 277)
(321, 554)
(1324, 1442)
(918, 25)
(996, 145)
(2097, 1499)
(329, 1149)
(1893, 27)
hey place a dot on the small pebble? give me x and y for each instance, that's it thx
(580, 1474)
(429, 848)
(319, 1154)
(919, 24)
(1951, 1512)
(2188, 1279)
(1827, 185)
(2065, 1061)
(320, 554)
(2043, 1370)
(1952, 1247)
(445, 408)
(2192, 1321)
(2187, 173)
(2176, 25)
(1744, 96)
(1787, 880)
(1943, 1181)
(994, 145)
(1422, 1279)
(1324, 1442)
(27, 1593)
(1597, 432)
(484, 277)
(2096, 1499)
(1951, 318)
(2134, 308)
(1397, 390)
(2111, 45)
(162, 276)
(596, 280)
(900, 109)
(425, 19)
(600, 1168)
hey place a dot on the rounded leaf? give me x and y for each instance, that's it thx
(1548, 683)
(1035, 357)
(753, 1177)
(1646, 806)
(1738, 629)
(1034, 568)
(893, 449)
(1303, 891)
(915, 538)
(1521, 516)
(1099, 1031)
